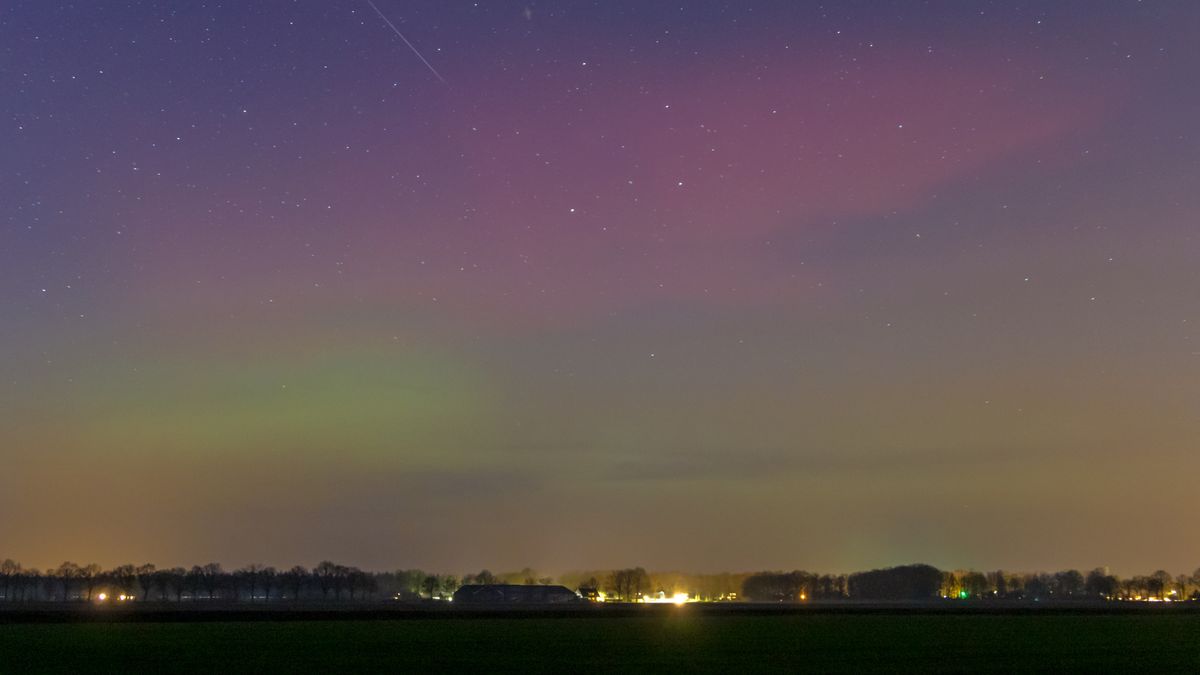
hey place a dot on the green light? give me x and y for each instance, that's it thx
(962, 594)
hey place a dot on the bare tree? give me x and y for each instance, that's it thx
(409, 582)
(360, 582)
(171, 582)
(1100, 584)
(66, 574)
(430, 585)
(975, 584)
(210, 577)
(28, 581)
(325, 574)
(10, 571)
(269, 578)
(629, 584)
(484, 577)
(294, 579)
(252, 576)
(1182, 582)
(341, 580)
(89, 577)
(146, 578)
(1159, 581)
(124, 577)
(1068, 583)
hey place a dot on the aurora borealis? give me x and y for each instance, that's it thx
(694, 285)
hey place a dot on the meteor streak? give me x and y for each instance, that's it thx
(410, 45)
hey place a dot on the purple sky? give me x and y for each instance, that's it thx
(701, 285)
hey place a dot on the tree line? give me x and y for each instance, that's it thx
(331, 582)
(326, 581)
(924, 582)
(72, 582)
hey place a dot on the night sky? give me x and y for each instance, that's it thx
(688, 285)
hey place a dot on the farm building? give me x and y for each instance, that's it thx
(513, 594)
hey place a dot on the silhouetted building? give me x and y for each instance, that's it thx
(513, 594)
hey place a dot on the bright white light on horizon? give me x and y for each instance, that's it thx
(663, 599)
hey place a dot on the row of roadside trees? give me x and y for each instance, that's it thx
(326, 581)
(922, 582)
(1072, 585)
(332, 582)
(73, 582)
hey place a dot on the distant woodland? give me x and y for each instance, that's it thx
(332, 582)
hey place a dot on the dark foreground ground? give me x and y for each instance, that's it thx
(663, 639)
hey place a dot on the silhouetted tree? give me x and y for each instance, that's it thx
(210, 576)
(35, 582)
(409, 583)
(1100, 584)
(193, 582)
(1068, 584)
(1159, 581)
(484, 577)
(124, 578)
(360, 583)
(89, 578)
(145, 578)
(326, 575)
(830, 587)
(773, 586)
(269, 578)
(27, 582)
(999, 584)
(294, 579)
(1036, 587)
(975, 584)
(252, 577)
(66, 574)
(10, 571)
(430, 585)
(949, 586)
(908, 582)
(629, 584)
(341, 580)
(171, 582)
(1182, 582)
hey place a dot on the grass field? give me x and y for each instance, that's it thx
(676, 642)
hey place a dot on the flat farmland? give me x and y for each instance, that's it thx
(681, 640)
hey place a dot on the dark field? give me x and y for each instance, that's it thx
(675, 641)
